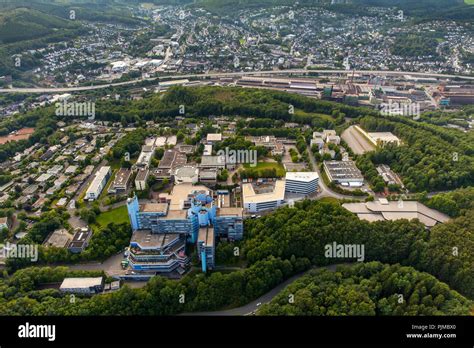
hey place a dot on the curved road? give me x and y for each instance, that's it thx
(249, 308)
(229, 74)
(325, 190)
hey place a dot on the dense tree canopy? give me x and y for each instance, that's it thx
(368, 289)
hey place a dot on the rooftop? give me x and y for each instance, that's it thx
(214, 137)
(302, 176)
(250, 196)
(148, 240)
(395, 210)
(154, 208)
(69, 283)
(206, 234)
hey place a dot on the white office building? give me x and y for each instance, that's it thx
(98, 184)
(301, 182)
(259, 201)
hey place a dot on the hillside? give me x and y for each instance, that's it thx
(25, 24)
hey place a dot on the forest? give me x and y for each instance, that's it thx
(277, 246)
(367, 289)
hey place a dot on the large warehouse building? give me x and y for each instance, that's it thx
(343, 172)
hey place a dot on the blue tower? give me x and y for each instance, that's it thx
(133, 209)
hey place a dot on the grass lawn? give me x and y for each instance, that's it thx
(118, 215)
(469, 2)
(268, 165)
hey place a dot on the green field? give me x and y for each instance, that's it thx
(469, 2)
(118, 215)
(267, 165)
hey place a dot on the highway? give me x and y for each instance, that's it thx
(228, 74)
(251, 307)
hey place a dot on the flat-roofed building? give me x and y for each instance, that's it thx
(208, 176)
(344, 172)
(327, 133)
(160, 253)
(301, 182)
(213, 138)
(98, 183)
(383, 209)
(86, 286)
(184, 212)
(121, 181)
(59, 238)
(186, 174)
(229, 223)
(383, 138)
(212, 162)
(207, 150)
(80, 241)
(269, 198)
(160, 142)
(141, 179)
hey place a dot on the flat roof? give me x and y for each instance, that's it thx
(122, 177)
(59, 238)
(393, 210)
(70, 283)
(212, 161)
(181, 192)
(206, 235)
(142, 174)
(186, 171)
(302, 176)
(250, 196)
(149, 240)
(214, 137)
(230, 211)
(176, 215)
(154, 208)
(340, 170)
(384, 136)
(99, 176)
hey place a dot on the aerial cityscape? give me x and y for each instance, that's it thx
(237, 158)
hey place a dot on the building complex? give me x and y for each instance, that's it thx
(186, 216)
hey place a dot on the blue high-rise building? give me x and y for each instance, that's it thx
(187, 215)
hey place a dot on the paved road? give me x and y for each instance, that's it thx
(325, 190)
(252, 306)
(230, 74)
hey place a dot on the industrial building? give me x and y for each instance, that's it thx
(344, 173)
(301, 182)
(98, 184)
(264, 197)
